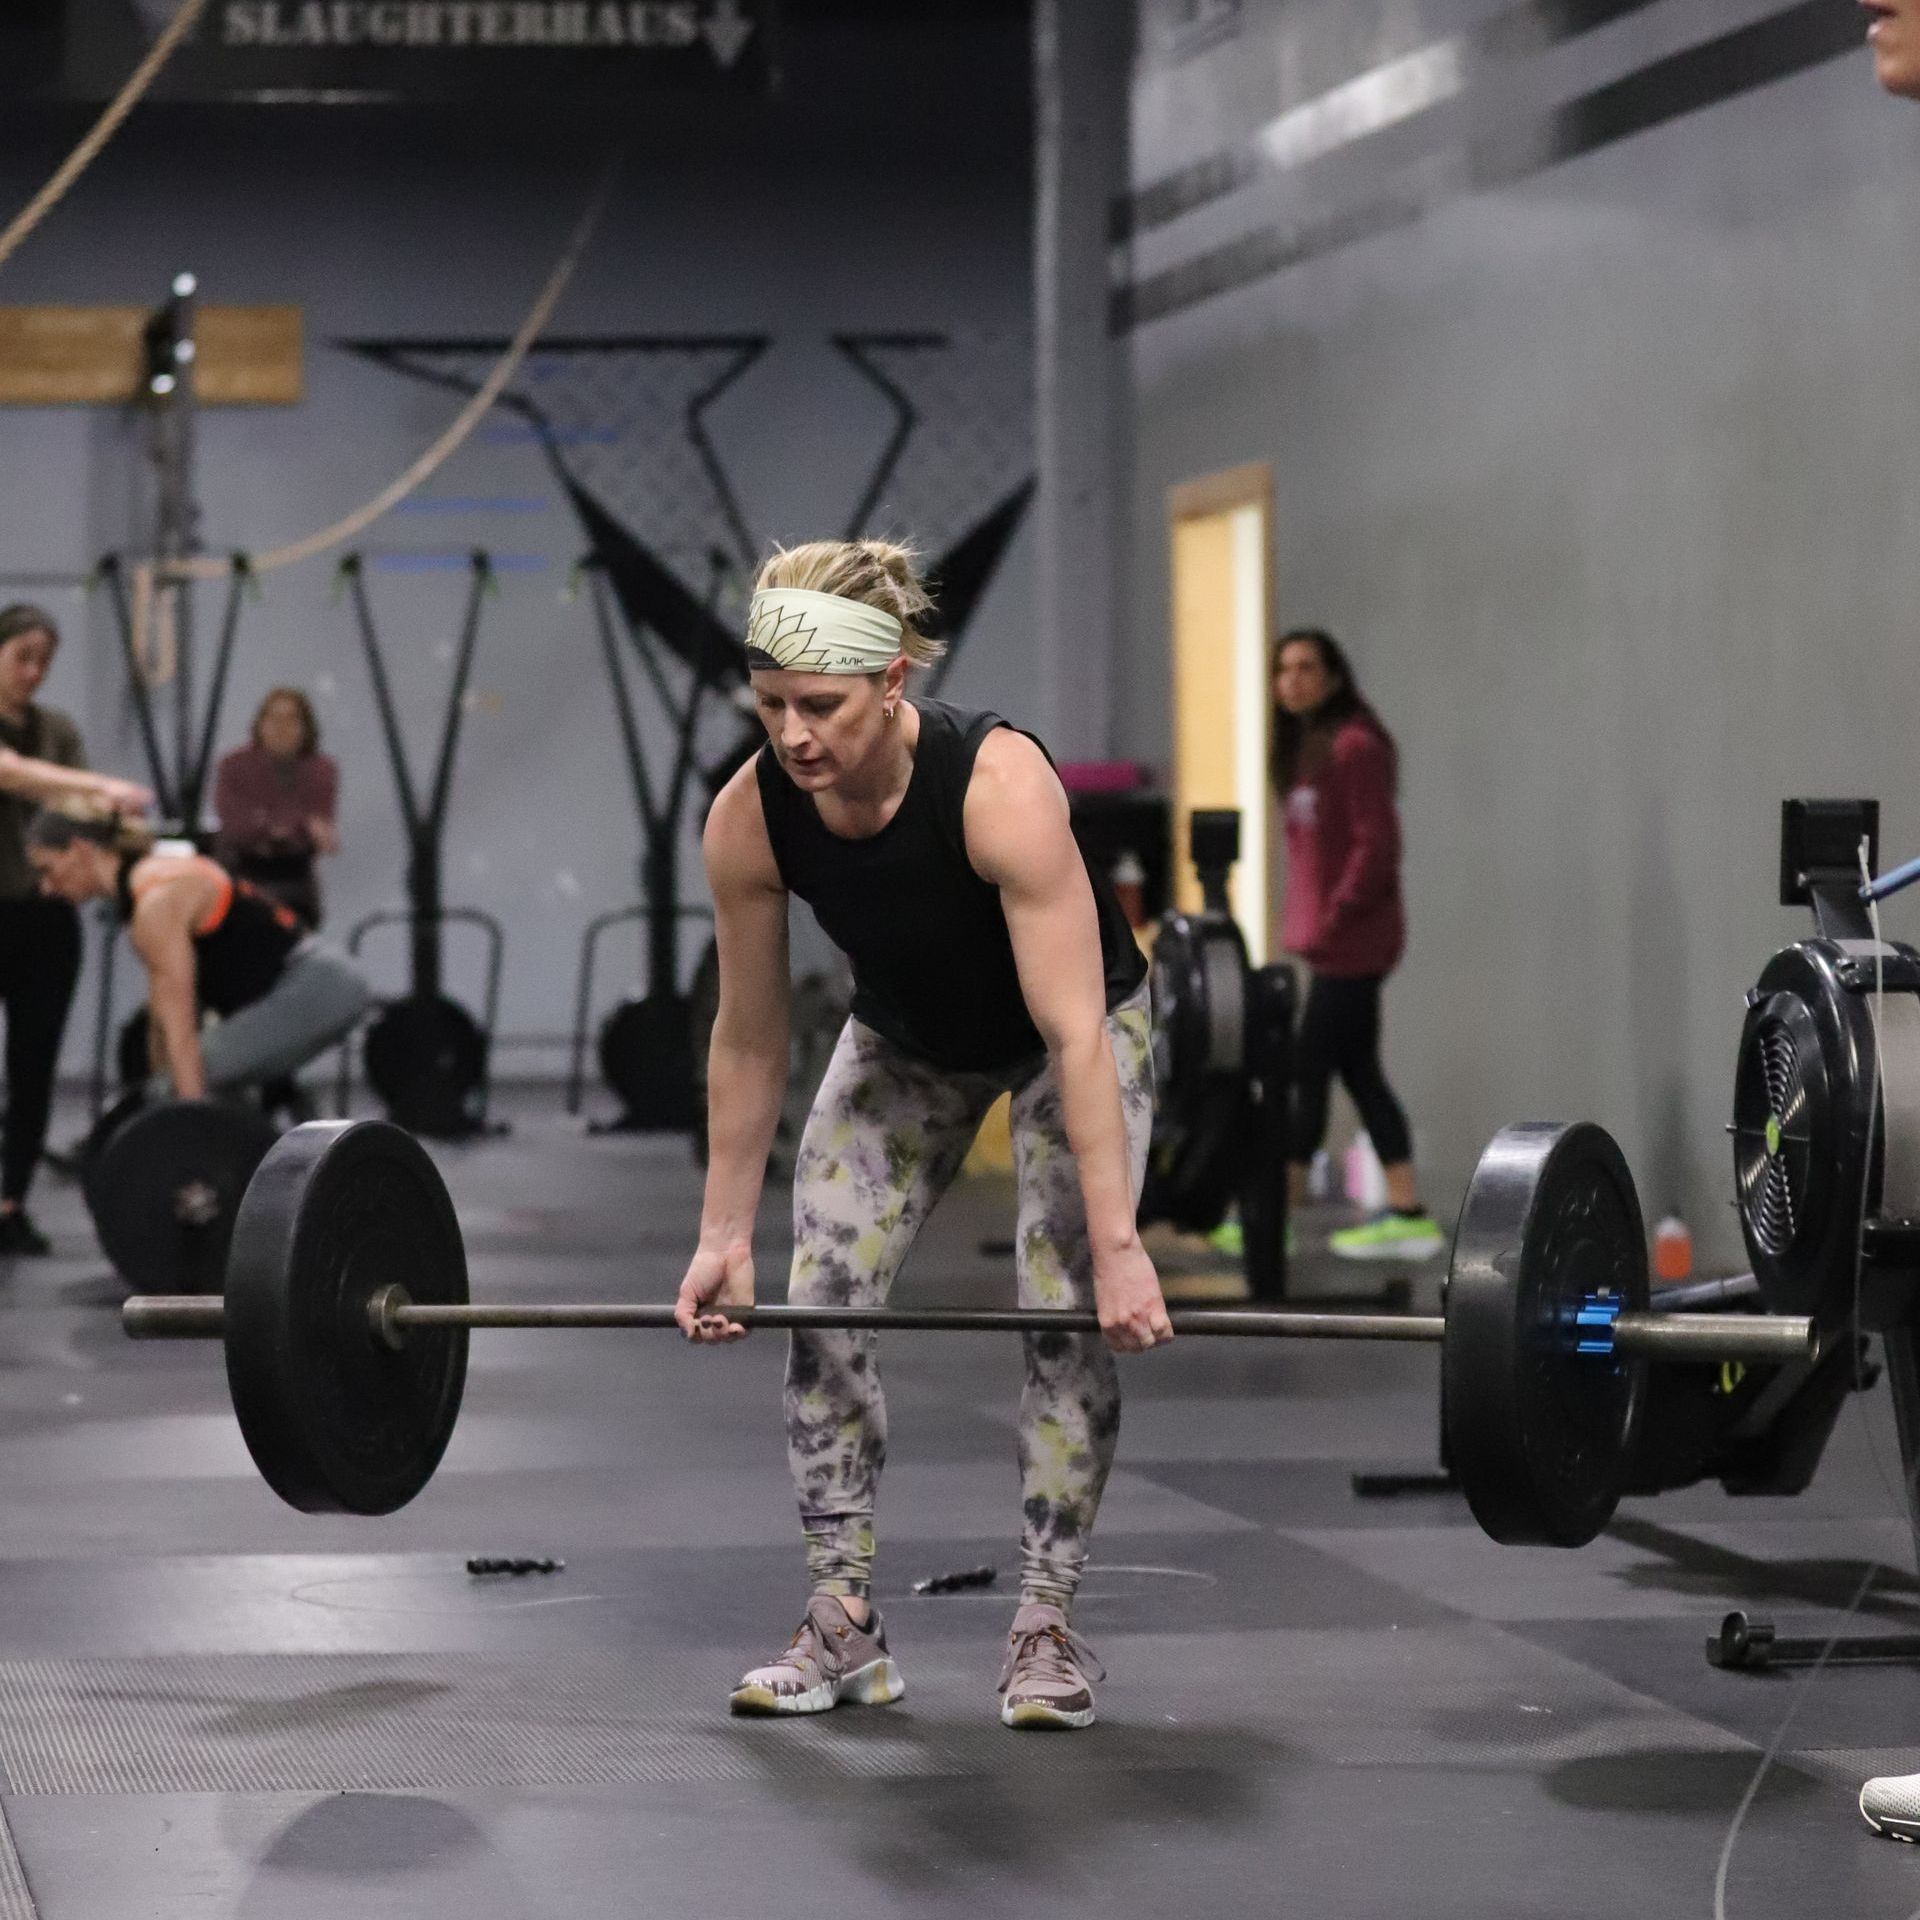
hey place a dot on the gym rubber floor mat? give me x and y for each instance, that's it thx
(1864, 1706)
(430, 1722)
(1308, 1493)
(1690, 1574)
(16, 1900)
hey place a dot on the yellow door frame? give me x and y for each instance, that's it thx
(1220, 542)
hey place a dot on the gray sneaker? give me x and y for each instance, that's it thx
(1891, 1805)
(828, 1660)
(1044, 1682)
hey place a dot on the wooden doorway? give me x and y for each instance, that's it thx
(1221, 530)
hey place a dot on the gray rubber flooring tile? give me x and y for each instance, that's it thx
(1307, 1494)
(1876, 1706)
(549, 1509)
(1242, 1703)
(736, 1601)
(1650, 1572)
(16, 1899)
(496, 1434)
(1639, 1836)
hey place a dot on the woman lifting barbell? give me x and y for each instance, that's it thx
(209, 943)
(934, 847)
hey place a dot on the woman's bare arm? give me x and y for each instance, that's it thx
(47, 780)
(1020, 838)
(162, 933)
(747, 1061)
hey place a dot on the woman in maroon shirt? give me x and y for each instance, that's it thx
(275, 798)
(1335, 771)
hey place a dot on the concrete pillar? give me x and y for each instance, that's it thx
(1083, 61)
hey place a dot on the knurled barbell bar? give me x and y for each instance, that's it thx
(392, 1313)
(346, 1317)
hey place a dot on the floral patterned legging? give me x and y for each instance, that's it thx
(885, 1138)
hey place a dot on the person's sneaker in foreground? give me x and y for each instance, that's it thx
(18, 1234)
(1390, 1236)
(828, 1660)
(1230, 1238)
(1044, 1682)
(1891, 1805)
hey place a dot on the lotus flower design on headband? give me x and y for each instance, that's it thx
(796, 630)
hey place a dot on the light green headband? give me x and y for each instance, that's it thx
(799, 631)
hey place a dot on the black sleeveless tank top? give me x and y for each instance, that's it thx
(239, 957)
(933, 967)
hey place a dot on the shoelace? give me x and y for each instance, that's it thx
(1052, 1651)
(806, 1653)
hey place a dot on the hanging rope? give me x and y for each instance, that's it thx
(103, 129)
(208, 566)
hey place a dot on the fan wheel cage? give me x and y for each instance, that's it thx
(1805, 1147)
(1774, 1141)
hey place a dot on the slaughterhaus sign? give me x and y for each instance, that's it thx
(370, 50)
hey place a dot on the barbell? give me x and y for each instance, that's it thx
(346, 1315)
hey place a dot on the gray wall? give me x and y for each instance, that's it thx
(831, 208)
(1605, 476)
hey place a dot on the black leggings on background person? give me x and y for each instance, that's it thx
(39, 965)
(1340, 1033)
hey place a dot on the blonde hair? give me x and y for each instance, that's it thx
(879, 573)
(61, 822)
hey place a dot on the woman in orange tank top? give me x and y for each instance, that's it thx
(210, 944)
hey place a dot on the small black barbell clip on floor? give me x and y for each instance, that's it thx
(958, 1582)
(481, 1564)
(346, 1319)
(1752, 1646)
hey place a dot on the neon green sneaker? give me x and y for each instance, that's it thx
(1390, 1236)
(1230, 1238)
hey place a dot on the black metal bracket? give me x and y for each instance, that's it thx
(178, 785)
(660, 816)
(1263, 1183)
(490, 993)
(424, 825)
(855, 349)
(1890, 1243)
(583, 988)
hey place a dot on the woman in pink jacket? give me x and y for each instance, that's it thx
(1335, 772)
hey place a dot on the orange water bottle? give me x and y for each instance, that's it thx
(1129, 879)
(1672, 1250)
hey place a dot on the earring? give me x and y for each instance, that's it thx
(889, 713)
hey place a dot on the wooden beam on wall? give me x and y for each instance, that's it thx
(92, 356)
